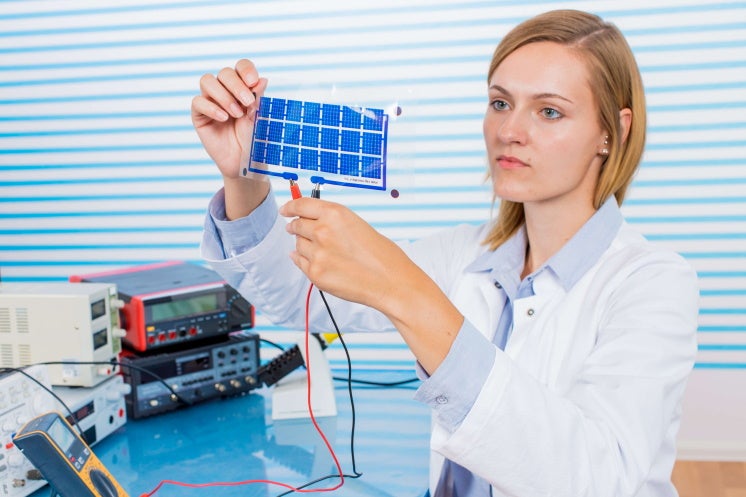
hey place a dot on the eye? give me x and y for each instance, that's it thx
(499, 104)
(550, 113)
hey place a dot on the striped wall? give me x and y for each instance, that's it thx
(100, 167)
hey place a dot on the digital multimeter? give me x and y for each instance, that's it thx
(64, 459)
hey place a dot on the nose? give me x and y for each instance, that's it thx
(512, 127)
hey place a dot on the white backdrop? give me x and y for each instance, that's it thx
(100, 168)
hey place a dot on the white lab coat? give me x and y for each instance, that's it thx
(584, 401)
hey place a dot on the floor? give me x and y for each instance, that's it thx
(710, 479)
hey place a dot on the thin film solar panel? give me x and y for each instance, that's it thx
(336, 144)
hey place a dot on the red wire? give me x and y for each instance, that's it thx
(313, 420)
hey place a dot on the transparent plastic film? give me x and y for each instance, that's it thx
(330, 136)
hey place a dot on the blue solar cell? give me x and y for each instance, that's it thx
(309, 136)
(351, 117)
(294, 110)
(262, 129)
(371, 144)
(329, 162)
(373, 119)
(259, 154)
(264, 104)
(292, 134)
(290, 156)
(311, 112)
(273, 154)
(330, 115)
(275, 131)
(309, 159)
(349, 164)
(350, 141)
(330, 138)
(371, 167)
(277, 111)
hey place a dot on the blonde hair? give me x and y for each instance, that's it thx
(615, 79)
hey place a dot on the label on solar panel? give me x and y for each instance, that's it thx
(337, 144)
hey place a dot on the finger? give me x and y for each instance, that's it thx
(212, 89)
(230, 79)
(306, 207)
(247, 72)
(204, 108)
(301, 228)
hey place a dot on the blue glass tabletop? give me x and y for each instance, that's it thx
(236, 440)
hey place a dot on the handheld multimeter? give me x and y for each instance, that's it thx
(64, 459)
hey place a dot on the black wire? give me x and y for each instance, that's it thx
(378, 383)
(349, 383)
(51, 392)
(273, 344)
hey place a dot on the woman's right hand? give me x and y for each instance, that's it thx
(223, 115)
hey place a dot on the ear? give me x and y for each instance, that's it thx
(625, 121)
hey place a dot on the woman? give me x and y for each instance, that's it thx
(555, 342)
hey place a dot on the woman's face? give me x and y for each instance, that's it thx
(541, 128)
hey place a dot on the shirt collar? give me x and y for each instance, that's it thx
(569, 264)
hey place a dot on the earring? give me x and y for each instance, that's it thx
(605, 150)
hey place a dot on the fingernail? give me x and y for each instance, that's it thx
(246, 98)
(236, 110)
(221, 115)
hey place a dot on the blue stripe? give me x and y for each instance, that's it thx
(722, 274)
(722, 328)
(87, 230)
(723, 311)
(720, 365)
(112, 115)
(675, 201)
(121, 246)
(695, 236)
(722, 347)
(99, 165)
(161, 212)
(688, 219)
(657, 183)
(96, 131)
(713, 255)
(723, 293)
(120, 262)
(103, 148)
(83, 181)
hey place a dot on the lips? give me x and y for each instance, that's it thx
(508, 162)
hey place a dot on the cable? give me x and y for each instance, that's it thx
(273, 344)
(349, 384)
(384, 384)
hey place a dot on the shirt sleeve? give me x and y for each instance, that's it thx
(239, 235)
(447, 391)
